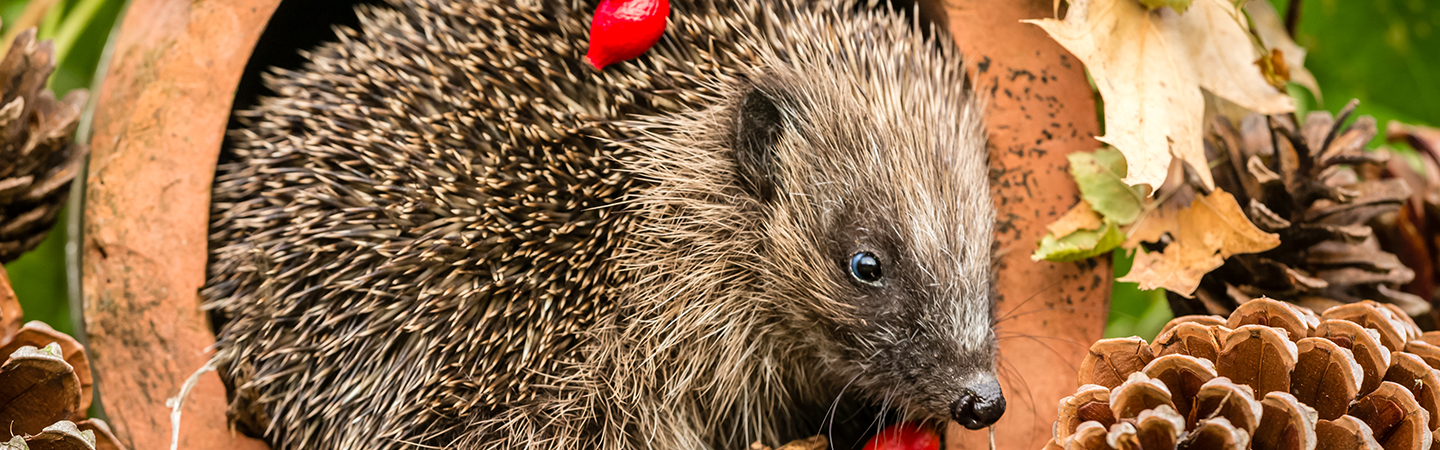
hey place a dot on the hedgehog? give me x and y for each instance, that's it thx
(446, 230)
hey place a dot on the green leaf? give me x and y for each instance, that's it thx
(1080, 244)
(1100, 176)
(1178, 5)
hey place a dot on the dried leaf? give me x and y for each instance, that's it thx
(1111, 361)
(1149, 66)
(1326, 377)
(1271, 30)
(1080, 217)
(1259, 357)
(1211, 229)
(1345, 433)
(37, 388)
(1286, 424)
(1273, 67)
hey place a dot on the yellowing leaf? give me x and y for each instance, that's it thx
(1200, 237)
(1081, 217)
(1101, 178)
(1178, 5)
(1080, 244)
(1150, 65)
(1271, 31)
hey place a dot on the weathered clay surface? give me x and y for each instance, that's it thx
(157, 133)
(1040, 109)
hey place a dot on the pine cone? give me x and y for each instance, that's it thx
(1299, 182)
(38, 156)
(45, 384)
(1271, 376)
(1413, 232)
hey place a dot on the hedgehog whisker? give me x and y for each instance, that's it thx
(1054, 308)
(835, 405)
(1028, 299)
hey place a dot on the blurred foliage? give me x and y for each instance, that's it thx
(1384, 52)
(1134, 312)
(79, 29)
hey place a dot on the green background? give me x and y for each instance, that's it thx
(1384, 52)
(79, 29)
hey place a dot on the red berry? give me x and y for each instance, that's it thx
(624, 29)
(905, 436)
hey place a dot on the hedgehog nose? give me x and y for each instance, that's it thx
(979, 405)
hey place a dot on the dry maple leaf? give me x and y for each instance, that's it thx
(1271, 31)
(1200, 237)
(1150, 65)
(1081, 217)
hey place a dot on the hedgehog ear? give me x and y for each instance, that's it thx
(757, 130)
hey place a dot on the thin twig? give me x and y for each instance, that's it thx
(1292, 17)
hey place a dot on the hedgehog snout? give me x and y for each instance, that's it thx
(980, 405)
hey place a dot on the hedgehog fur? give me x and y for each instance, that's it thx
(447, 231)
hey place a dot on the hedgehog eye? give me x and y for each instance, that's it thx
(865, 268)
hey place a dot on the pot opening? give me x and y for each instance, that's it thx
(296, 25)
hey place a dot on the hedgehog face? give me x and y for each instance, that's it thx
(879, 227)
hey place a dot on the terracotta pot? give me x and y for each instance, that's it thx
(161, 115)
(163, 109)
(1040, 110)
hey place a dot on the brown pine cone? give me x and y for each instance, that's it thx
(1272, 376)
(45, 384)
(1300, 182)
(1413, 232)
(38, 156)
